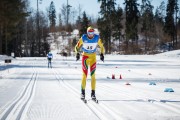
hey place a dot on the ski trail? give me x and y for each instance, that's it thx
(101, 110)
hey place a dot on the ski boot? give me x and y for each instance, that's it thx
(93, 96)
(83, 96)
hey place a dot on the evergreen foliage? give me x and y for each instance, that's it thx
(137, 28)
(52, 16)
(84, 24)
(105, 22)
(12, 13)
(132, 17)
(171, 21)
(147, 18)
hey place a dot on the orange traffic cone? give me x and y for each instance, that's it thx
(120, 77)
(113, 76)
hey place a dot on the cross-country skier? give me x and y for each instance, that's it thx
(49, 57)
(89, 43)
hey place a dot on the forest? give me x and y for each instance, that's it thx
(136, 29)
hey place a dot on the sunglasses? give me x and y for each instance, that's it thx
(90, 33)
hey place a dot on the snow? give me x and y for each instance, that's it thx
(175, 53)
(31, 91)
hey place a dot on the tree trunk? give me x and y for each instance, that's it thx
(6, 42)
(119, 42)
(0, 39)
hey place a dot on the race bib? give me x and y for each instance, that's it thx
(90, 46)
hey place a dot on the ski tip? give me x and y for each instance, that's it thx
(97, 101)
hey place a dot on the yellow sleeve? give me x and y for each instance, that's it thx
(78, 45)
(101, 46)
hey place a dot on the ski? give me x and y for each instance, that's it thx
(95, 100)
(84, 100)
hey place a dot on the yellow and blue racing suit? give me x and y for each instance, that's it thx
(89, 47)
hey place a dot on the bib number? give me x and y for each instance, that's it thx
(89, 47)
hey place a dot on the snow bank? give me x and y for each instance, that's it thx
(174, 53)
(3, 57)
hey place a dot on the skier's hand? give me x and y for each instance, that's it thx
(102, 57)
(77, 56)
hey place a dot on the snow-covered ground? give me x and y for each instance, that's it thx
(31, 91)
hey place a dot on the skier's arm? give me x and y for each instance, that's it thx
(77, 48)
(100, 44)
(101, 50)
(78, 45)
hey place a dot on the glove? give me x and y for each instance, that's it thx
(102, 57)
(77, 56)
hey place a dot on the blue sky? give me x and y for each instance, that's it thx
(92, 7)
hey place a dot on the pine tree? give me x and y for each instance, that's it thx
(147, 21)
(169, 26)
(12, 12)
(52, 16)
(60, 23)
(178, 31)
(78, 22)
(176, 23)
(101, 22)
(160, 13)
(84, 24)
(159, 22)
(117, 25)
(132, 16)
(105, 23)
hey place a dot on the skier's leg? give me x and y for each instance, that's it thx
(85, 71)
(93, 79)
(48, 63)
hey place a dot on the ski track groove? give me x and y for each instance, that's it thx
(113, 111)
(103, 113)
(171, 106)
(17, 107)
(157, 102)
(155, 99)
(61, 82)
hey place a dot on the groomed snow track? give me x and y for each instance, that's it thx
(17, 108)
(102, 111)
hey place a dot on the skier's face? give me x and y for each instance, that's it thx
(90, 34)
